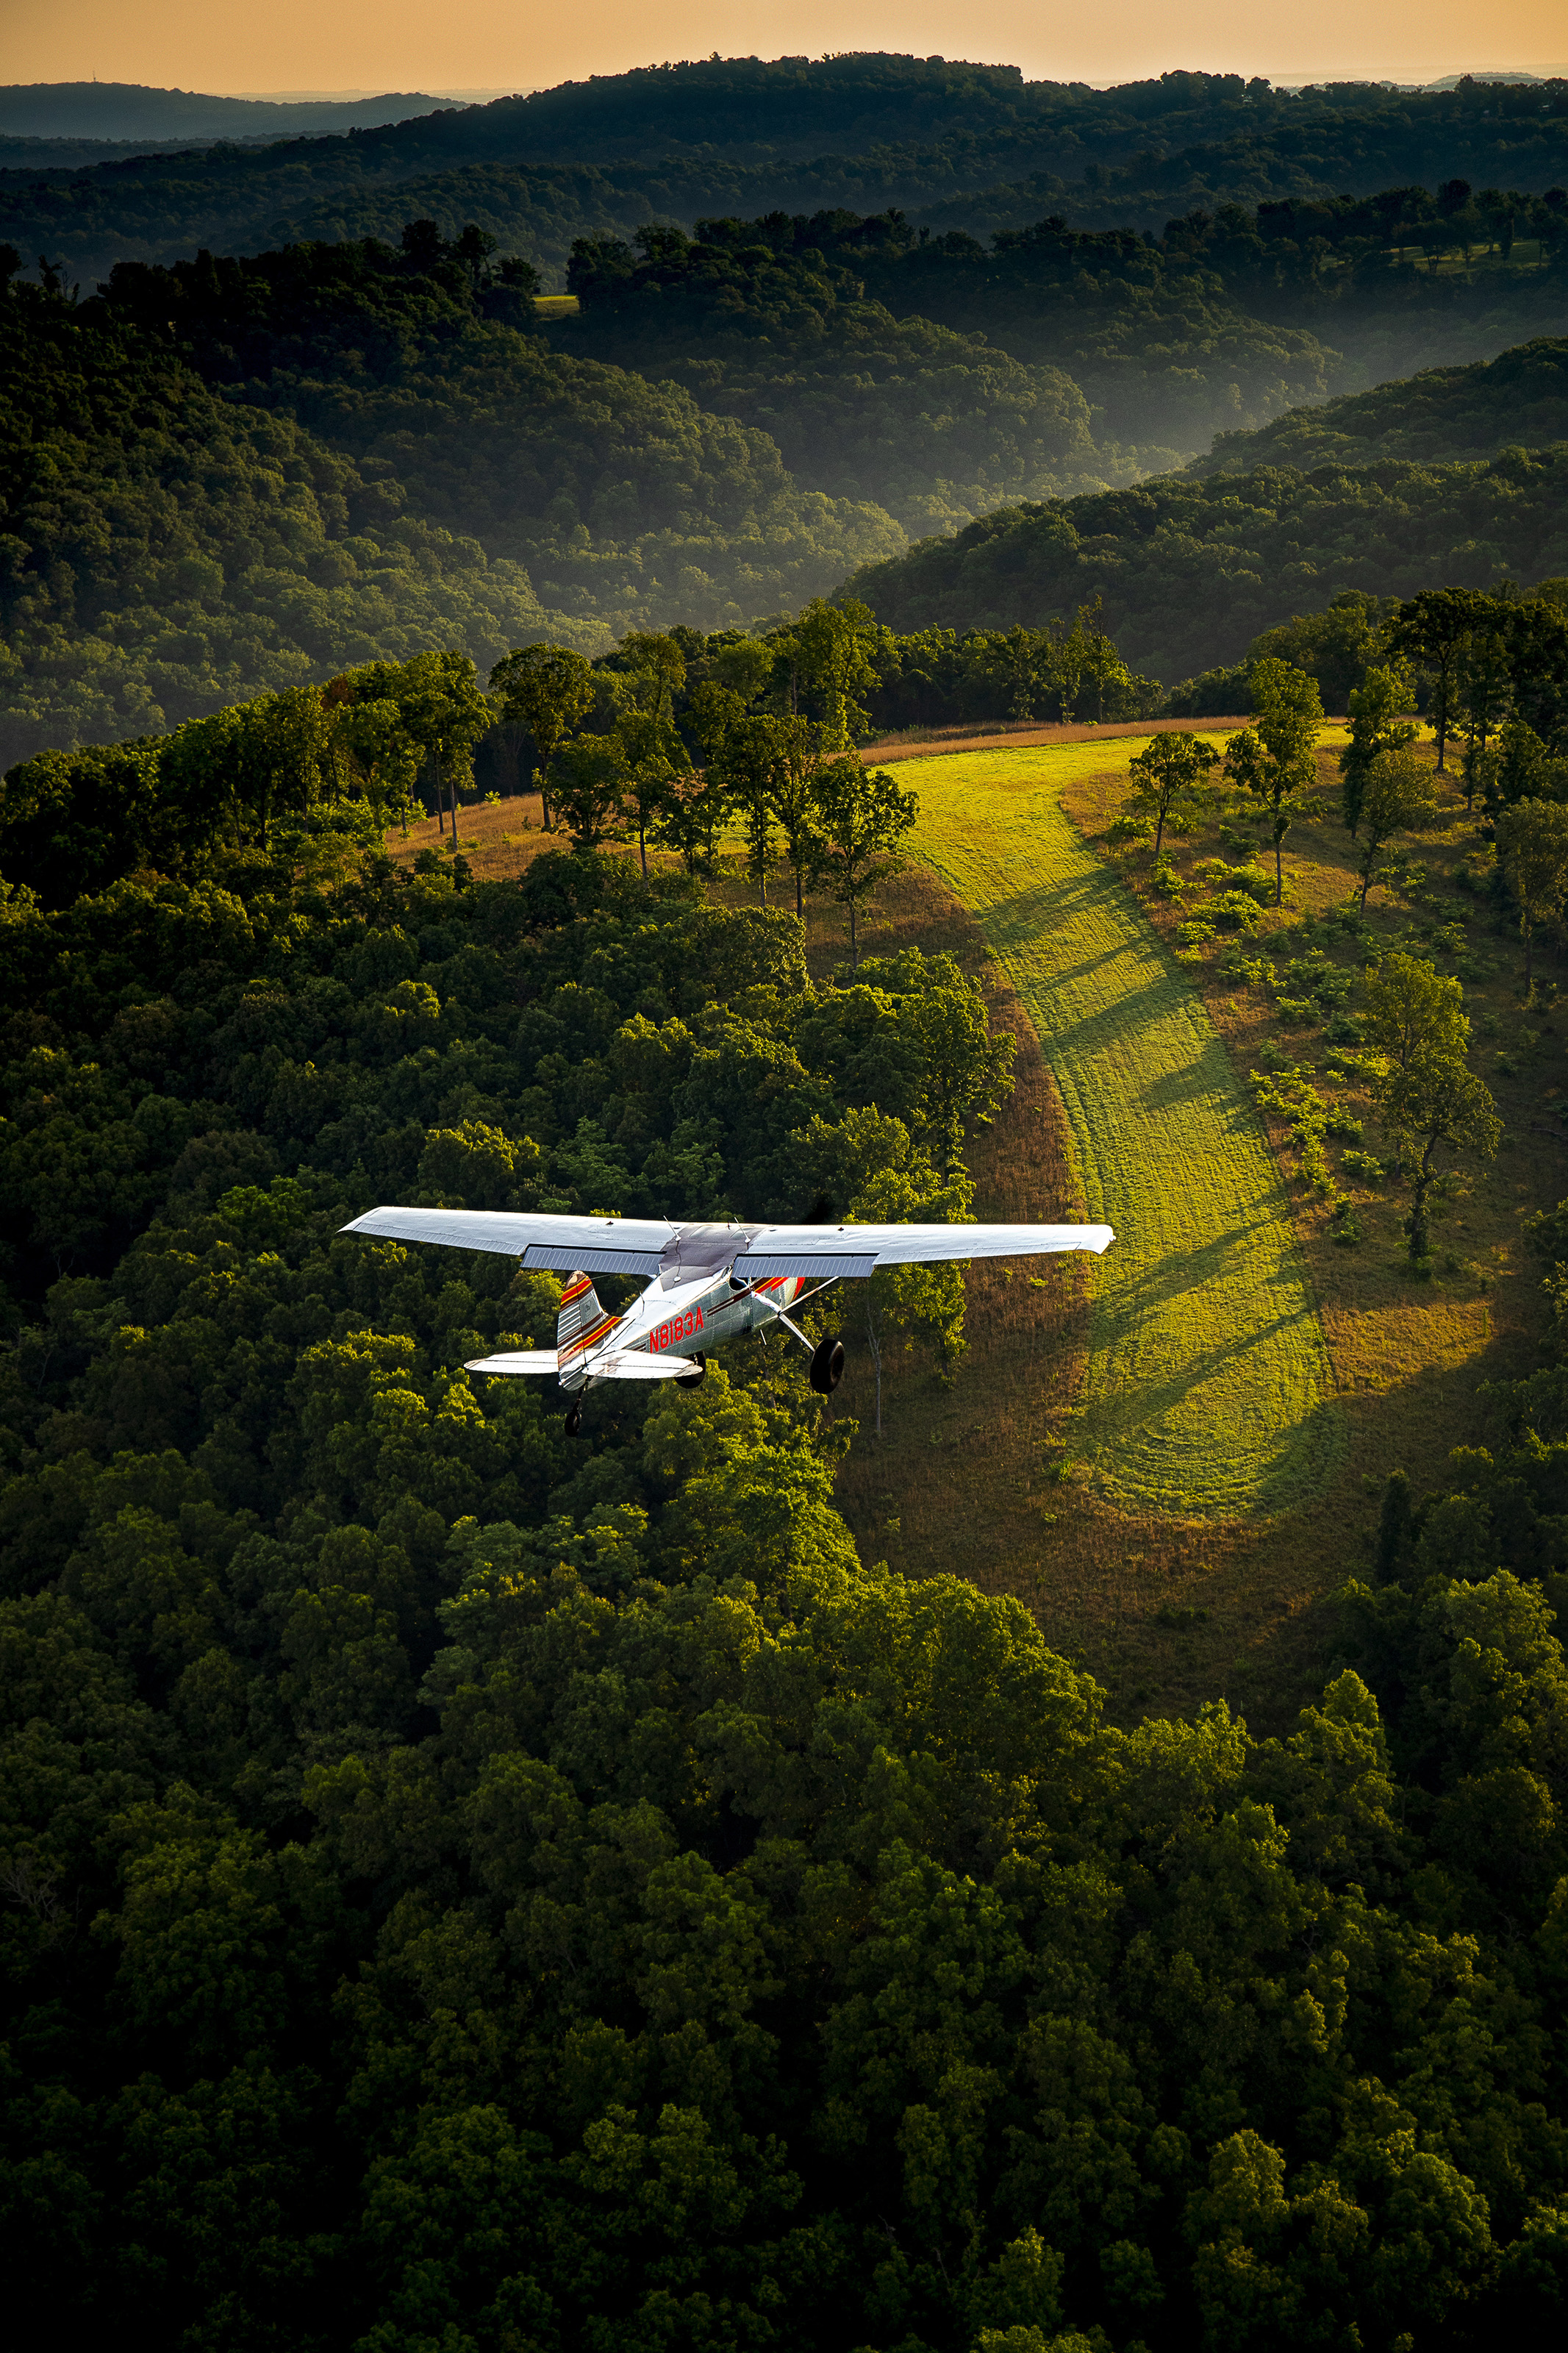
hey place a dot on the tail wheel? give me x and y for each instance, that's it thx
(695, 1378)
(828, 1366)
(574, 1419)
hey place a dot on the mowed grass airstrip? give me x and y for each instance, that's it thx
(1207, 1390)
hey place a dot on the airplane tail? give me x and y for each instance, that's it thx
(580, 1327)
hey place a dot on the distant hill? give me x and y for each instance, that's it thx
(129, 111)
(1191, 571)
(969, 146)
(1519, 399)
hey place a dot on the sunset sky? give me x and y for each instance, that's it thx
(390, 45)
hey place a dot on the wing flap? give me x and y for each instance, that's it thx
(637, 1365)
(856, 1250)
(599, 1245)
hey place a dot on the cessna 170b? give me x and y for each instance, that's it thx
(708, 1283)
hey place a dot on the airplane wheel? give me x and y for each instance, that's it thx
(828, 1366)
(695, 1378)
(574, 1419)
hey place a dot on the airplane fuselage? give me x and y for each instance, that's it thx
(692, 1319)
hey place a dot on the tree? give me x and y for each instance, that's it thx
(548, 689)
(1433, 629)
(1483, 691)
(1377, 725)
(645, 728)
(831, 646)
(1397, 796)
(862, 817)
(1434, 1102)
(797, 762)
(1533, 843)
(384, 755)
(1414, 1010)
(1275, 759)
(744, 763)
(589, 777)
(1170, 779)
(445, 714)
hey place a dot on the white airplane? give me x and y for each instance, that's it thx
(707, 1283)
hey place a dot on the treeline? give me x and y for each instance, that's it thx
(459, 1883)
(975, 147)
(670, 738)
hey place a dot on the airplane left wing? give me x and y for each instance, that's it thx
(859, 1250)
(563, 1244)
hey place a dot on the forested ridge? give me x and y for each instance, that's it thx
(465, 1887)
(976, 145)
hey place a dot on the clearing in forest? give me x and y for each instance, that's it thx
(1207, 1391)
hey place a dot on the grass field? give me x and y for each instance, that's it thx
(1207, 1391)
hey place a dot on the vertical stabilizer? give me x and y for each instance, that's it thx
(580, 1329)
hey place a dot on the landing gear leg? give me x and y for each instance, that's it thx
(826, 1366)
(574, 1419)
(695, 1378)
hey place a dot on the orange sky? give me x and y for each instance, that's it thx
(388, 45)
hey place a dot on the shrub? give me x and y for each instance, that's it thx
(1345, 1029)
(1232, 911)
(1363, 1165)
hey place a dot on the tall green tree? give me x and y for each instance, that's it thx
(446, 715)
(745, 762)
(1532, 844)
(832, 645)
(589, 780)
(1378, 723)
(1170, 779)
(1397, 796)
(549, 690)
(1434, 1104)
(1275, 759)
(862, 817)
(1433, 629)
(1412, 1010)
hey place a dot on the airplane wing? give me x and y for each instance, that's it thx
(619, 1365)
(596, 1245)
(860, 1250)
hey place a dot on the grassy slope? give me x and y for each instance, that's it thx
(1207, 1388)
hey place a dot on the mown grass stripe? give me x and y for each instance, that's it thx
(1207, 1391)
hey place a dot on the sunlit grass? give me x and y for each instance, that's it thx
(1207, 1391)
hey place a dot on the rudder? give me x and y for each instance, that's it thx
(581, 1325)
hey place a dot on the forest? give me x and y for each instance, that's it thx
(467, 1889)
(917, 1870)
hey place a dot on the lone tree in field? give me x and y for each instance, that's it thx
(1436, 1103)
(549, 690)
(1170, 780)
(1378, 725)
(1397, 796)
(1533, 843)
(862, 817)
(1275, 759)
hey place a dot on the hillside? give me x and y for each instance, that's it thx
(978, 143)
(1518, 400)
(171, 548)
(1191, 569)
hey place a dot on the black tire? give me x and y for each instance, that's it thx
(695, 1378)
(574, 1419)
(828, 1366)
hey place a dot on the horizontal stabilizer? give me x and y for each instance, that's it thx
(617, 1365)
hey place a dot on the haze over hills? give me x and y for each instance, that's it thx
(125, 111)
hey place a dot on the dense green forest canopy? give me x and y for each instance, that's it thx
(1191, 569)
(467, 1887)
(400, 463)
(977, 145)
